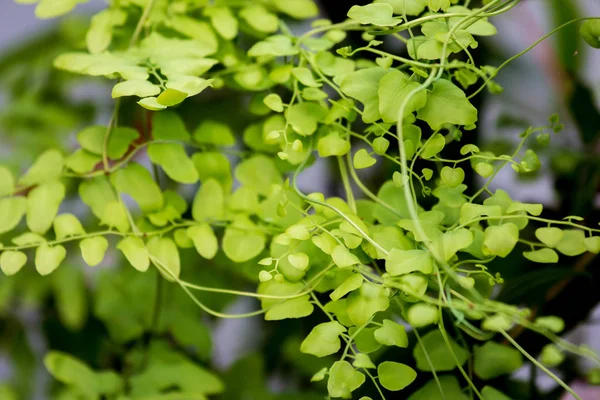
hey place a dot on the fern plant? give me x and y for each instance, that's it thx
(375, 271)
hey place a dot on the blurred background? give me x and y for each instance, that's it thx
(41, 107)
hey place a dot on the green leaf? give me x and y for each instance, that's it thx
(452, 177)
(545, 256)
(174, 161)
(395, 376)
(434, 346)
(47, 167)
(134, 250)
(275, 46)
(11, 262)
(214, 132)
(433, 146)
(299, 9)
(362, 159)
(66, 225)
(333, 145)
(92, 140)
(205, 240)
(363, 85)
(391, 334)
(209, 202)
(224, 22)
(54, 8)
(422, 314)
(165, 255)
(7, 182)
(323, 339)
(214, 165)
(71, 371)
(493, 360)
(393, 89)
(171, 97)
(365, 302)
(96, 194)
(572, 243)
(550, 322)
(47, 258)
(592, 244)
(343, 380)
(82, 161)
(343, 258)
(497, 323)
(351, 283)
(447, 104)
(451, 242)
(551, 355)
(294, 308)
(380, 145)
(401, 262)
(242, 240)
(533, 209)
(259, 173)
(273, 101)
(42, 206)
(378, 14)
(448, 385)
(137, 182)
(203, 35)
(12, 210)
(115, 216)
(304, 117)
(135, 87)
(260, 19)
(550, 236)
(362, 360)
(590, 31)
(100, 34)
(305, 77)
(500, 240)
(489, 393)
(152, 104)
(188, 85)
(299, 260)
(93, 250)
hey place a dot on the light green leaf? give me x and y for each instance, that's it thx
(93, 250)
(54, 8)
(168, 125)
(323, 339)
(152, 104)
(71, 371)
(135, 87)
(134, 250)
(47, 258)
(451, 242)
(449, 386)
(395, 376)
(433, 146)
(362, 159)
(365, 302)
(493, 360)
(214, 132)
(550, 322)
(96, 193)
(362, 85)
(447, 103)
(82, 161)
(410, 7)
(452, 177)
(203, 35)
(259, 173)
(165, 255)
(546, 256)
(294, 308)
(242, 240)
(7, 182)
(260, 19)
(362, 360)
(489, 393)
(572, 243)
(305, 77)
(550, 236)
(47, 167)
(351, 283)
(592, 244)
(28, 238)
(174, 161)
(273, 101)
(42, 205)
(169, 98)
(115, 216)
(100, 34)
(304, 117)
(590, 31)
(189, 85)
(223, 21)
(401, 262)
(11, 262)
(343, 380)
(533, 209)
(137, 182)
(66, 225)
(275, 46)
(209, 202)
(378, 14)
(497, 323)
(433, 345)
(214, 165)
(391, 334)
(422, 314)
(551, 355)
(12, 210)
(343, 258)
(205, 240)
(92, 140)
(380, 145)
(333, 145)
(299, 9)
(393, 90)
(500, 240)
(299, 260)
